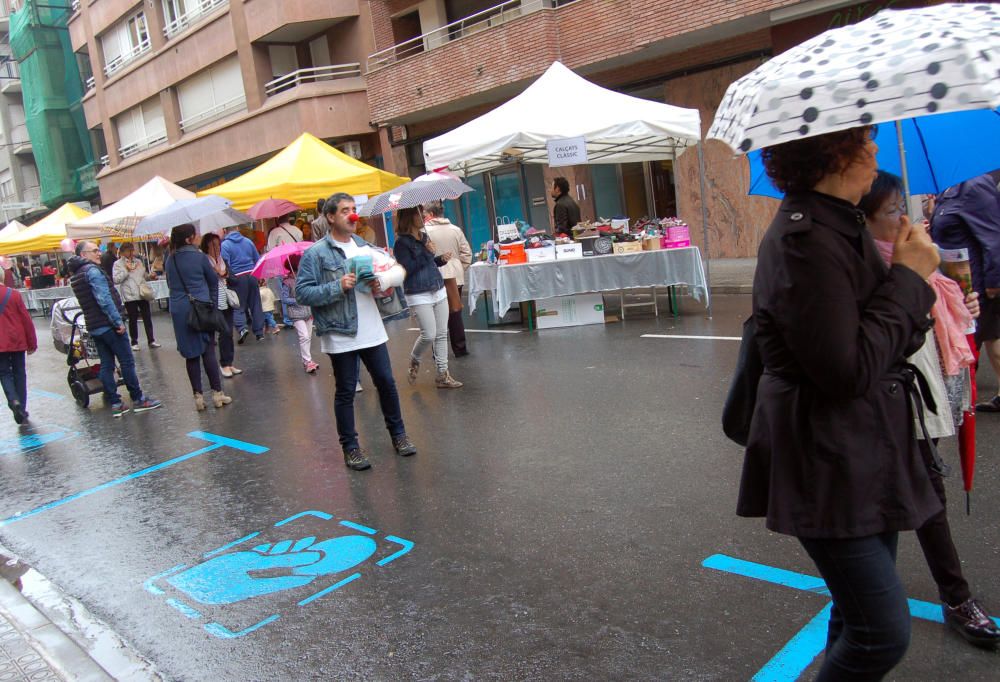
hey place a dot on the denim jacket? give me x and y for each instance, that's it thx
(422, 274)
(318, 286)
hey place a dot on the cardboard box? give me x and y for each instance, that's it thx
(570, 311)
(512, 254)
(651, 244)
(679, 244)
(567, 251)
(628, 247)
(541, 255)
(597, 246)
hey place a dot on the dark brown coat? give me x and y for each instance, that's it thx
(831, 451)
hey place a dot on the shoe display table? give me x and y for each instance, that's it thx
(510, 284)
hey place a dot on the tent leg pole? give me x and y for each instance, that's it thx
(704, 225)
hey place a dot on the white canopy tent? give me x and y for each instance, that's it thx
(560, 104)
(120, 218)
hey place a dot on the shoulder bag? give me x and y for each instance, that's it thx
(203, 316)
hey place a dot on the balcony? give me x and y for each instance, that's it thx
(292, 21)
(215, 113)
(311, 75)
(142, 145)
(198, 10)
(19, 139)
(122, 60)
(10, 76)
(497, 15)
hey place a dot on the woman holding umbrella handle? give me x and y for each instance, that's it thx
(831, 457)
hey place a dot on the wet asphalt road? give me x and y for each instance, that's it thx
(560, 510)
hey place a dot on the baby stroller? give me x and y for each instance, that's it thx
(69, 335)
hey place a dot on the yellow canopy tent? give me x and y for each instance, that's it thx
(44, 235)
(304, 171)
(10, 231)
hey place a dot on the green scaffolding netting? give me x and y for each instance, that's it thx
(52, 91)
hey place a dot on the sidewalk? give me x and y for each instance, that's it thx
(33, 648)
(731, 275)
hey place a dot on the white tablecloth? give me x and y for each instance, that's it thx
(510, 284)
(33, 297)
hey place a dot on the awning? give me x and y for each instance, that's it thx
(304, 171)
(617, 128)
(46, 234)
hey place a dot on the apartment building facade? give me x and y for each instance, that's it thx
(440, 63)
(199, 91)
(20, 191)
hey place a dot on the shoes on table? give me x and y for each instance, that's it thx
(146, 404)
(404, 446)
(991, 405)
(970, 620)
(355, 459)
(445, 380)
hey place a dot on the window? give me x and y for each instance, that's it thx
(125, 41)
(140, 128)
(179, 14)
(211, 94)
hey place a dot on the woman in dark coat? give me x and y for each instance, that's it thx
(189, 272)
(831, 457)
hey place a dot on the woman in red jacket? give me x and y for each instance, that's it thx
(17, 336)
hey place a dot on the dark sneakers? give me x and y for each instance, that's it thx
(19, 413)
(970, 620)
(146, 404)
(119, 409)
(991, 405)
(243, 335)
(355, 459)
(404, 446)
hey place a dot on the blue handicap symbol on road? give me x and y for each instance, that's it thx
(246, 586)
(795, 657)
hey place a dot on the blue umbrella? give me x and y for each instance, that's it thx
(941, 150)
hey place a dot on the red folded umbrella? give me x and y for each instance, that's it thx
(272, 208)
(967, 432)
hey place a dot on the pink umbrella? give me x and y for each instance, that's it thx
(272, 208)
(274, 263)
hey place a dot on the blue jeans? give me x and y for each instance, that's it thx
(269, 322)
(248, 290)
(869, 628)
(345, 376)
(111, 345)
(14, 378)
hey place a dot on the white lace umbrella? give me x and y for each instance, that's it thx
(897, 64)
(417, 192)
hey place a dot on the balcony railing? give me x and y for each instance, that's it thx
(197, 10)
(480, 21)
(9, 71)
(105, 161)
(311, 75)
(125, 58)
(142, 145)
(75, 5)
(220, 110)
(90, 83)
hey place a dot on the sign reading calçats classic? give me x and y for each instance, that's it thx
(568, 151)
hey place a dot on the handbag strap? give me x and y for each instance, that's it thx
(6, 297)
(173, 261)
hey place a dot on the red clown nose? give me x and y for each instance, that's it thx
(354, 217)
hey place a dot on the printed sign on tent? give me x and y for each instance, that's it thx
(568, 151)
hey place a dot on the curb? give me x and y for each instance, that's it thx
(63, 655)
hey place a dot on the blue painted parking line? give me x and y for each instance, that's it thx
(238, 588)
(217, 442)
(793, 659)
(39, 393)
(34, 437)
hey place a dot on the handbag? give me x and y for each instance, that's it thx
(231, 296)
(392, 305)
(737, 412)
(298, 312)
(203, 316)
(146, 292)
(454, 298)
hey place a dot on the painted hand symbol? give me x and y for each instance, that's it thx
(265, 569)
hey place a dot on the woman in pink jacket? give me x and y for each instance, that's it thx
(17, 337)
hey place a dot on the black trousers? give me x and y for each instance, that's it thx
(456, 331)
(135, 309)
(939, 549)
(227, 349)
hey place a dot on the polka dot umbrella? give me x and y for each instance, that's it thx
(898, 64)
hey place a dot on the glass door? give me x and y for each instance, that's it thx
(508, 195)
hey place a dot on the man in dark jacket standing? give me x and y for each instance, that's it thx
(108, 259)
(566, 213)
(17, 337)
(967, 216)
(241, 255)
(103, 312)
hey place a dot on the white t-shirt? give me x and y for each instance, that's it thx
(427, 297)
(371, 331)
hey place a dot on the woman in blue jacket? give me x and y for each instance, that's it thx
(425, 294)
(189, 273)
